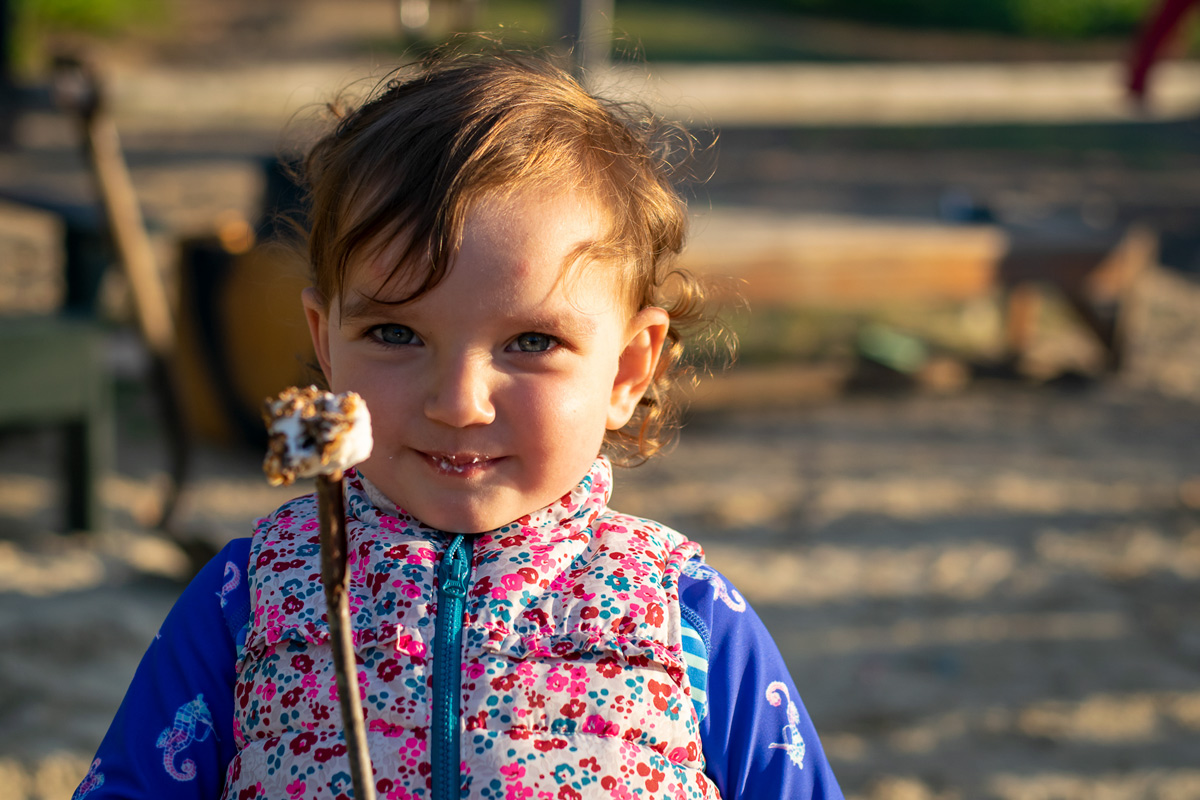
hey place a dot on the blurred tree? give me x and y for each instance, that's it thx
(433, 20)
(586, 28)
(8, 92)
(1059, 19)
(35, 21)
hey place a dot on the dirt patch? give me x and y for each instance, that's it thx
(990, 593)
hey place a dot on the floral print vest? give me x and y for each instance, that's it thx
(573, 683)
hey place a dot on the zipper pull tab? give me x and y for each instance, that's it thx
(455, 568)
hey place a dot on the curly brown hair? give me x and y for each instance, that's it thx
(409, 162)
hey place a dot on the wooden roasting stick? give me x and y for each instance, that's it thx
(320, 435)
(78, 89)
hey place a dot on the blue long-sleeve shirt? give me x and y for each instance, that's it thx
(173, 734)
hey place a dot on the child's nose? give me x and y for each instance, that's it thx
(461, 394)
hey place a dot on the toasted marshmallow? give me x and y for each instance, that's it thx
(312, 433)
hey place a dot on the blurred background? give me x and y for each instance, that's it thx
(956, 467)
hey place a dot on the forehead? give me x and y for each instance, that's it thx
(527, 244)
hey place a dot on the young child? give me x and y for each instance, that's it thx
(491, 249)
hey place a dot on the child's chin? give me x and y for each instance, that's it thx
(467, 522)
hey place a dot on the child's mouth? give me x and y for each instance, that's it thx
(458, 463)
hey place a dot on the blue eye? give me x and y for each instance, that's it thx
(394, 334)
(533, 343)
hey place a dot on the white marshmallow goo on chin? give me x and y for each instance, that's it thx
(312, 432)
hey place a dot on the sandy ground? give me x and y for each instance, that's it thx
(992, 593)
(987, 594)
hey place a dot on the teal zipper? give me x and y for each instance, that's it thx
(454, 575)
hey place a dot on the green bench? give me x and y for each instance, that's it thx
(54, 370)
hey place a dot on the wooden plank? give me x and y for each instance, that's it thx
(844, 263)
(79, 90)
(31, 260)
(54, 373)
(856, 264)
(49, 367)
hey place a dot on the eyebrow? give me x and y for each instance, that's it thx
(573, 325)
(361, 306)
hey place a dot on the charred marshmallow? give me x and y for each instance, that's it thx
(312, 433)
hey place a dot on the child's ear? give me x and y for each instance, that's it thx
(317, 314)
(639, 361)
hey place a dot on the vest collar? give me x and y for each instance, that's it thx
(573, 511)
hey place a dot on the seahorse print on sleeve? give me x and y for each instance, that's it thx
(233, 577)
(193, 723)
(793, 742)
(724, 592)
(91, 782)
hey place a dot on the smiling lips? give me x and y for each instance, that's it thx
(459, 464)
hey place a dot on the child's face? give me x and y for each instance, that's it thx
(490, 394)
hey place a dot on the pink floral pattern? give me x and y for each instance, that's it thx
(573, 682)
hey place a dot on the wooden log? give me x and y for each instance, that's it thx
(844, 263)
(78, 90)
(855, 264)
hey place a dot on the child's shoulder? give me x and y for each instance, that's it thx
(613, 526)
(226, 567)
(611, 523)
(294, 512)
(703, 587)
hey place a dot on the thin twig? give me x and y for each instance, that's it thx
(335, 577)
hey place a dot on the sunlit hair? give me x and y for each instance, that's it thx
(407, 165)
